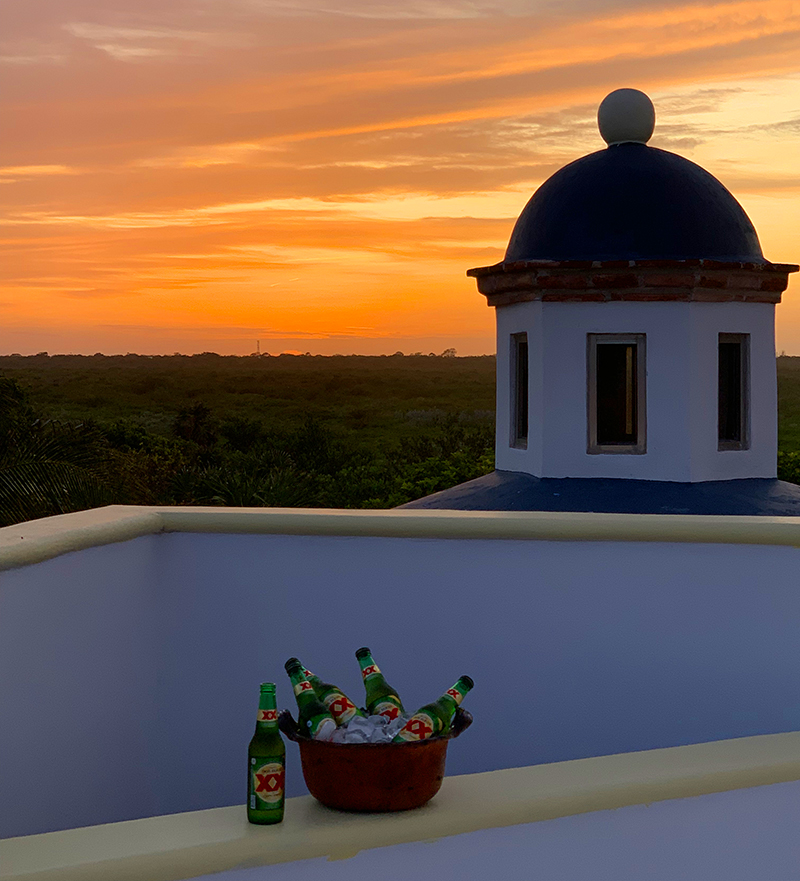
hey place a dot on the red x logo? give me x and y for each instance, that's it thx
(371, 669)
(269, 782)
(454, 694)
(420, 727)
(267, 715)
(305, 686)
(340, 705)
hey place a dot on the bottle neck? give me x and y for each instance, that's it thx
(300, 684)
(368, 666)
(457, 693)
(267, 716)
(315, 681)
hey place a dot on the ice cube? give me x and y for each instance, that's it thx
(340, 735)
(372, 729)
(395, 725)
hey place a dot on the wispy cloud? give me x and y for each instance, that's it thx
(414, 10)
(137, 43)
(18, 171)
(203, 160)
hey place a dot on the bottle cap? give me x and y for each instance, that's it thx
(467, 681)
(292, 664)
(360, 653)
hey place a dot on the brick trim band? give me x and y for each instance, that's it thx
(708, 281)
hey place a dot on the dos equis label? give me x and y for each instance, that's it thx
(386, 708)
(420, 726)
(266, 785)
(340, 707)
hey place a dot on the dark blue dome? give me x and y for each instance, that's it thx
(633, 202)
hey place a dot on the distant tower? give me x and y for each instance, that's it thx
(635, 341)
(635, 320)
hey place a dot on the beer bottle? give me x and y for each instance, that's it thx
(338, 703)
(382, 699)
(266, 761)
(313, 717)
(435, 718)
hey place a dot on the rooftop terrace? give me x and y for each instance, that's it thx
(135, 640)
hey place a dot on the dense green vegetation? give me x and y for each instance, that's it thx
(789, 403)
(280, 431)
(789, 419)
(77, 432)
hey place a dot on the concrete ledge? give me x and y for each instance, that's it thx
(510, 525)
(39, 540)
(187, 845)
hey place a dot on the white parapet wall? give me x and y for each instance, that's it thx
(132, 641)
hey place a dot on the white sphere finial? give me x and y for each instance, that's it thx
(626, 116)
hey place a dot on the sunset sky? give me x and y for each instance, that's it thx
(196, 175)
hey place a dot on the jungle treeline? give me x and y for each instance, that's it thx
(310, 431)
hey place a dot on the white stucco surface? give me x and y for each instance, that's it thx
(620, 639)
(681, 389)
(744, 835)
(186, 845)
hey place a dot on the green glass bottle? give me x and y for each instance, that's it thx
(266, 761)
(382, 699)
(338, 703)
(435, 718)
(313, 717)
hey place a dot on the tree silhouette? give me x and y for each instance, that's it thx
(46, 467)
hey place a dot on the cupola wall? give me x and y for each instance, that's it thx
(635, 320)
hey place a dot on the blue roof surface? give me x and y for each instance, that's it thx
(633, 202)
(515, 491)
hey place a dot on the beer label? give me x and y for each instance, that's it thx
(266, 785)
(321, 725)
(267, 716)
(386, 708)
(370, 670)
(419, 727)
(455, 694)
(340, 707)
(303, 686)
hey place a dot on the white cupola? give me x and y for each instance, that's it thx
(635, 320)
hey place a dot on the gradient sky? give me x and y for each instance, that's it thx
(196, 175)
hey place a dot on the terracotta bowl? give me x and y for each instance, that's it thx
(373, 776)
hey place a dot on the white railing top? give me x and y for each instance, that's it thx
(38, 540)
(217, 840)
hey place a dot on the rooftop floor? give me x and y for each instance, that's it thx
(515, 491)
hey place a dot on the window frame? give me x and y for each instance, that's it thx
(519, 390)
(743, 339)
(639, 340)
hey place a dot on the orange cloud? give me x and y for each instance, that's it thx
(275, 168)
